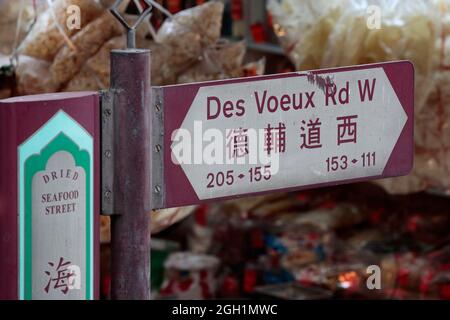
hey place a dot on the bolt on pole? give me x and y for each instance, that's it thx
(130, 223)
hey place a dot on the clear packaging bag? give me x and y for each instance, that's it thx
(189, 32)
(68, 62)
(304, 27)
(346, 32)
(33, 76)
(321, 34)
(408, 31)
(15, 21)
(221, 61)
(50, 32)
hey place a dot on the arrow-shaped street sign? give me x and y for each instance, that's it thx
(224, 139)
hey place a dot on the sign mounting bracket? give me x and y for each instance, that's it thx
(107, 150)
(158, 184)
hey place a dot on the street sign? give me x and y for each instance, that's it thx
(48, 196)
(224, 139)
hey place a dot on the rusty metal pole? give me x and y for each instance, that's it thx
(130, 230)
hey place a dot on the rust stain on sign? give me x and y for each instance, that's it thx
(322, 82)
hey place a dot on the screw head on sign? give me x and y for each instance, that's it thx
(157, 189)
(131, 30)
(107, 112)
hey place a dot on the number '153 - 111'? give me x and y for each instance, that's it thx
(336, 163)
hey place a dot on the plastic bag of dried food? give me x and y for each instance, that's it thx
(226, 57)
(15, 20)
(432, 121)
(68, 62)
(431, 171)
(180, 46)
(319, 34)
(408, 31)
(33, 76)
(415, 30)
(95, 73)
(85, 80)
(224, 60)
(163, 72)
(304, 27)
(189, 31)
(50, 31)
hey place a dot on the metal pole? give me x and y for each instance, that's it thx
(130, 221)
(130, 232)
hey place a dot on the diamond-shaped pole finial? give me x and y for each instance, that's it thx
(131, 30)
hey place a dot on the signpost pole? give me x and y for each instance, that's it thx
(130, 232)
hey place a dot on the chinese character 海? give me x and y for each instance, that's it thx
(347, 129)
(311, 134)
(237, 143)
(275, 139)
(60, 276)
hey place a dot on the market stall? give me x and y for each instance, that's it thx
(386, 239)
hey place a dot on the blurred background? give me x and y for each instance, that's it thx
(306, 245)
